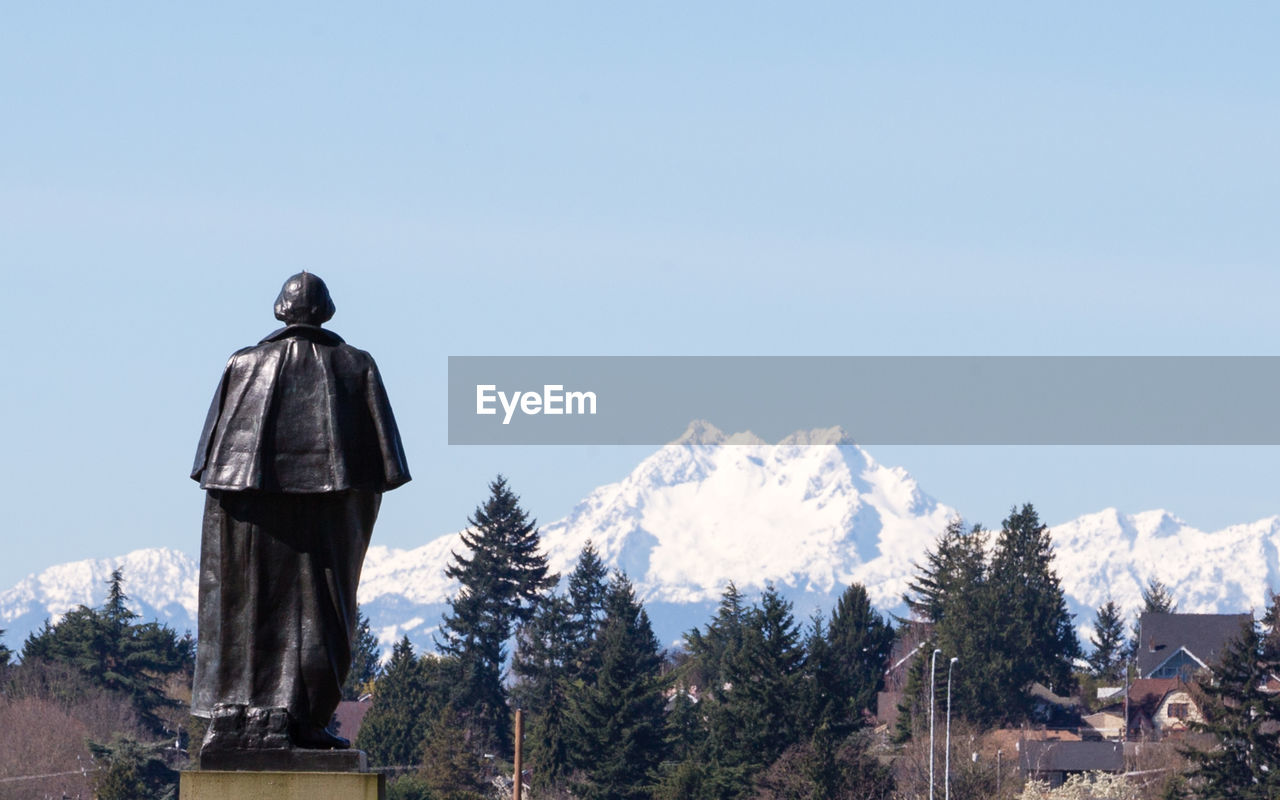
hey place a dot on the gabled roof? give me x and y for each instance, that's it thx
(1145, 694)
(1202, 636)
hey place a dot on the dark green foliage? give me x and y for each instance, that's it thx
(131, 770)
(1107, 659)
(1245, 764)
(1271, 630)
(408, 787)
(617, 719)
(912, 708)
(1157, 598)
(825, 768)
(501, 583)
(1005, 619)
(955, 566)
(543, 663)
(108, 648)
(751, 661)
(451, 769)
(955, 588)
(406, 698)
(364, 659)
(5, 653)
(1034, 639)
(845, 664)
(588, 588)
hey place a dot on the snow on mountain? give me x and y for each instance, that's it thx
(1110, 555)
(810, 519)
(161, 584)
(809, 515)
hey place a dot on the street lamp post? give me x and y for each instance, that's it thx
(933, 669)
(946, 770)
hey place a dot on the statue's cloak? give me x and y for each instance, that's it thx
(296, 451)
(300, 412)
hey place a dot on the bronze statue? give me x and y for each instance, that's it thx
(298, 447)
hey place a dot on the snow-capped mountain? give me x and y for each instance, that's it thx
(809, 515)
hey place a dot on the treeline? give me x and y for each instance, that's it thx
(757, 704)
(97, 707)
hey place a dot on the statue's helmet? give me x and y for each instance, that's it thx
(304, 299)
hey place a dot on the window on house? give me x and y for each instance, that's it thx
(1178, 710)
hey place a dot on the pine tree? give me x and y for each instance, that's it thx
(1107, 660)
(451, 768)
(1157, 599)
(408, 695)
(501, 582)
(1243, 718)
(845, 663)
(618, 719)
(955, 596)
(956, 566)
(911, 708)
(131, 770)
(588, 588)
(1036, 638)
(755, 703)
(1270, 631)
(364, 659)
(544, 656)
(111, 651)
(5, 653)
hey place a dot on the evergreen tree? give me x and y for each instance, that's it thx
(406, 698)
(1270, 631)
(451, 769)
(1243, 718)
(754, 707)
(722, 639)
(845, 664)
(1107, 660)
(955, 569)
(618, 719)
(501, 582)
(131, 770)
(962, 607)
(588, 588)
(1157, 599)
(111, 651)
(911, 708)
(1034, 631)
(544, 656)
(364, 660)
(5, 653)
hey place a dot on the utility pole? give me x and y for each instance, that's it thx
(933, 670)
(518, 786)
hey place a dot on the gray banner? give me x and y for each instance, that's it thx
(651, 400)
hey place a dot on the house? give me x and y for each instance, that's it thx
(1179, 645)
(1160, 708)
(897, 667)
(348, 717)
(1055, 761)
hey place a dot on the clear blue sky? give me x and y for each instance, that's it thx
(552, 178)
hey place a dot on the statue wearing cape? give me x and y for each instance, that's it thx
(298, 447)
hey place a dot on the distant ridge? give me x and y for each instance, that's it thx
(808, 515)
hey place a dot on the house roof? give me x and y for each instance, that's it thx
(1203, 636)
(349, 714)
(1145, 694)
(1072, 756)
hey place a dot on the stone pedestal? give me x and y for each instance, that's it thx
(220, 785)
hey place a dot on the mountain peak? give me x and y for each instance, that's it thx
(820, 436)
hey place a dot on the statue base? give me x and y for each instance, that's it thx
(221, 785)
(292, 760)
